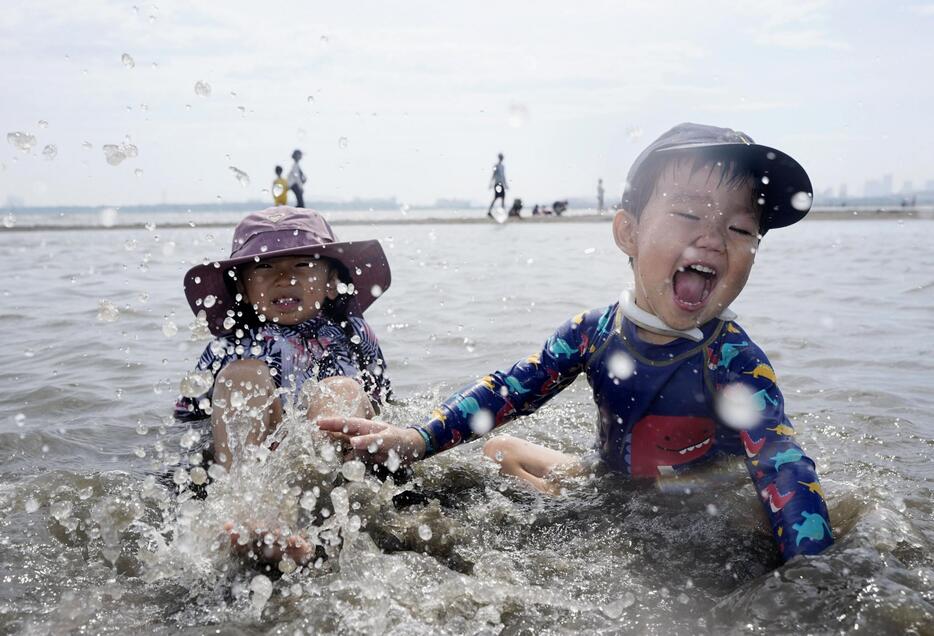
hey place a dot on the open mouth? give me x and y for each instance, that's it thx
(692, 285)
(286, 302)
(687, 449)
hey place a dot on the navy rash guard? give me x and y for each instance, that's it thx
(657, 411)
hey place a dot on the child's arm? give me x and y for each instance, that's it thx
(490, 402)
(785, 478)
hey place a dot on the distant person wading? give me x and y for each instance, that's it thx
(297, 180)
(499, 185)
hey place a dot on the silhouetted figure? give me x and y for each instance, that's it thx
(560, 207)
(498, 184)
(297, 180)
(516, 208)
(600, 193)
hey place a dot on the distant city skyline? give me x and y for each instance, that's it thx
(108, 103)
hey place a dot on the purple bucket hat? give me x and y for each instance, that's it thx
(285, 231)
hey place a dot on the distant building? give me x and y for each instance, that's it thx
(886, 184)
(908, 187)
(842, 194)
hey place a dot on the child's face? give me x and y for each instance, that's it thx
(693, 246)
(290, 289)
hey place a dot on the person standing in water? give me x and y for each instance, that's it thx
(280, 188)
(297, 179)
(600, 193)
(499, 185)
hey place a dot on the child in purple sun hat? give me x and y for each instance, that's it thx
(286, 308)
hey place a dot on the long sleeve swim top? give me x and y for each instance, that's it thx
(661, 409)
(315, 349)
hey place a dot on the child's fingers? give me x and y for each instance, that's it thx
(350, 425)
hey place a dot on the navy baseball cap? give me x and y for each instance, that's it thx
(784, 187)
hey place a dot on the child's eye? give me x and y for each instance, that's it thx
(304, 264)
(740, 230)
(262, 266)
(687, 215)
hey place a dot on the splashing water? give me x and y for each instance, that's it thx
(801, 201)
(518, 115)
(49, 152)
(242, 178)
(23, 141)
(202, 89)
(342, 143)
(127, 60)
(107, 311)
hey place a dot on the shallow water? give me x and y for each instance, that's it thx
(89, 543)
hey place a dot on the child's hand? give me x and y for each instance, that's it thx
(371, 441)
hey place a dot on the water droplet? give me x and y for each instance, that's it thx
(242, 177)
(518, 115)
(633, 133)
(9, 220)
(712, 510)
(196, 383)
(620, 366)
(20, 419)
(424, 532)
(140, 452)
(801, 201)
(199, 476)
(590, 250)
(189, 439)
(311, 98)
(87, 145)
(353, 470)
(342, 143)
(260, 591)
(470, 345)
(737, 407)
(108, 217)
(23, 141)
(229, 323)
(325, 40)
(202, 88)
(765, 180)
(107, 311)
(127, 60)
(43, 123)
(169, 328)
(138, 172)
(376, 290)
(209, 301)
(31, 505)
(482, 422)
(277, 189)
(114, 154)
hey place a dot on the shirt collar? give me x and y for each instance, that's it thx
(651, 322)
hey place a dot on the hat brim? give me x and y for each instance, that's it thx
(365, 262)
(788, 193)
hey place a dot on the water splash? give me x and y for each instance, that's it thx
(49, 152)
(23, 141)
(202, 89)
(128, 60)
(242, 178)
(107, 311)
(342, 143)
(518, 115)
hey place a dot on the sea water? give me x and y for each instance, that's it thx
(98, 336)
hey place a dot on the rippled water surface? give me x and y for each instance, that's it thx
(98, 335)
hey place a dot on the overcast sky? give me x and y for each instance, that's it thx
(424, 94)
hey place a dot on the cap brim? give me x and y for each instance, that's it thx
(365, 262)
(785, 187)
